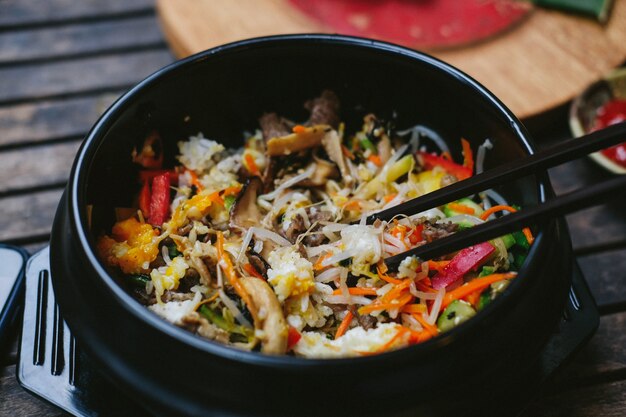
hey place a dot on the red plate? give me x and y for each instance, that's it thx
(429, 24)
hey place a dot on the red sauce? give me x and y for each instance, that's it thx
(611, 113)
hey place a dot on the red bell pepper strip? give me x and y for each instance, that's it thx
(160, 200)
(145, 197)
(466, 260)
(146, 175)
(293, 337)
(431, 161)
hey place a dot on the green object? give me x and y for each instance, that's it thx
(173, 251)
(509, 240)
(456, 313)
(598, 9)
(139, 280)
(487, 270)
(485, 298)
(466, 202)
(229, 201)
(367, 144)
(519, 260)
(520, 239)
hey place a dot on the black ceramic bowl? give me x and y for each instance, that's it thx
(221, 92)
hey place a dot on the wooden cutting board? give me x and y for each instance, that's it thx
(540, 63)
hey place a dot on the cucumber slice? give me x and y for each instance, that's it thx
(456, 313)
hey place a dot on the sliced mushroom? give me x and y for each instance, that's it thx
(258, 263)
(271, 319)
(307, 137)
(194, 322)
(245, 212)
(332, 145)
(324, 170)
(384, 149)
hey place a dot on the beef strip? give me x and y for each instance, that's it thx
(324, 109)
(365, 320)
(433, 231)
(297, 227)
(273, 125)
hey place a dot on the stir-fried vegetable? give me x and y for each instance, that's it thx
(262, 248)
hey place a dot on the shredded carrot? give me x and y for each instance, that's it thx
(194, 179)
(347, 153)
(343, 327)
(389, 197)
(468, 156)
(437, 265)
(527, 233)
(461, 208)
(216, 198)
(375, 159)
(357, 291)
(414, 308)
(396, 291)
(381, 274)
(252, 166)
(252, 271)
(299, 129)
(400, 302)
(419, 337)
(318, 264)
(231, 190)
(474, 285)
(421, 286)
(496, 209)
(227, 266)
(474, 297)
(433, 330)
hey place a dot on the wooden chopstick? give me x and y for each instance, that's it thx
(558, 206)
(558, 154)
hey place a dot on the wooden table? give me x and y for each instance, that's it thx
(62, 62)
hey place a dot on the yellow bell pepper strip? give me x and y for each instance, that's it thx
(463, 262)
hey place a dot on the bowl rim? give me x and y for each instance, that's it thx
(78, 221)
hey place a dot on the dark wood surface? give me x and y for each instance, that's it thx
(62, 62)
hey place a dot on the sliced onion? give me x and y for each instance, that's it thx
(290, 182)
(354, 299)
(434, 312)
(269, 235)
(329, 275)
(480, 155)
(246, 241)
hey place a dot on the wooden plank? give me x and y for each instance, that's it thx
(603, 356)
(15, 401)
(606, 400)
(38, 166)
(74, 40)
(50, 120)
(78, 76)
(605, 274)
(27, 216)
(596, 225)
(29, 12)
